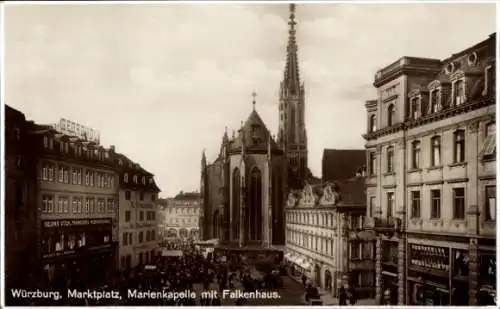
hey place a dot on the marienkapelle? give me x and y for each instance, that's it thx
(93, 294)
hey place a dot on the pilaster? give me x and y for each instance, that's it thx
(472, 211)
(473, 271)
(378, 270)
(402, 270)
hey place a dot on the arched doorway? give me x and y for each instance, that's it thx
(183, 233)
(328, 281)
(235, 205)
(255, 209)
(317, 274)
(171, 232)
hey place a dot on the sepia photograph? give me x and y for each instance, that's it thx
(258, 153)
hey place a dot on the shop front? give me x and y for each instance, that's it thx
(297, 265)
(389, 272)
(429, 275)
(77, 253)
(487, 278)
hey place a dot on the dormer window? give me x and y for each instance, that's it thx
(391, 114)
(143, 180)
(46, 142)
(66, 147)
(125, 178)
(17, 134)
(435, 98)
(458, 92)
(120, 162)
(150, 181)
(372, 125)
(135, 178)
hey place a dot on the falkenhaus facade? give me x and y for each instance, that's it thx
(431, 183)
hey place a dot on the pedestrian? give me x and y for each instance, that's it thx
(342, 297)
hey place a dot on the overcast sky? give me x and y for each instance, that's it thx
(162, 81)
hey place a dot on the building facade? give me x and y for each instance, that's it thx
(244, 189)
(20, 204)
(138, 225)
(77, 208)
(431, 179)
(182, 216)
(324, 240)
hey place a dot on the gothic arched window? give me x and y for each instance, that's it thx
(255, 218)
(235, 205)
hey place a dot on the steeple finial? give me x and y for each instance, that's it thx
(254, 95)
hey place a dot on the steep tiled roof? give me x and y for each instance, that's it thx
(342, 164)
(352, 191)
(254, 134)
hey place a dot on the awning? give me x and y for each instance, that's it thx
(171, 253)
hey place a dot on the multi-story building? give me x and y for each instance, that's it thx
(322, 226)
(431, 178)
(20, 205)
(182, 214)
(76, 198)
(138, 226)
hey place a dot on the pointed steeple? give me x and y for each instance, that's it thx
(203, 159)
(291, 81)
(254, 95)
(225, 138)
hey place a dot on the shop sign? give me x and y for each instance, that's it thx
(76, 222)
(430, 257)
(58, 253)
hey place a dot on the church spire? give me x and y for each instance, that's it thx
(292, 77)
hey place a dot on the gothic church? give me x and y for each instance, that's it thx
(244, 189)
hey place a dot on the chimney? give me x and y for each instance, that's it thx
(112, 148)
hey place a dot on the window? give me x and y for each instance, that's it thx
(355, 250)
(415, 204)
(125, 239)
(141, 215)
(415, 154)
(414, 108)
(459, 203)
(125, 178)
(435, 204)
(143, 180)
(75, 205)
(372, 123)
(436, 151)
(390, 204)
(459, 146)
(87, 178)
(127, 195)
(488, 149)
(66, 175)
(372, 163)
(87, 206)
(111, 205)
(490, 203)
(141, 196)
(135, 178)
(459, 92)
(127, 216)
(390, 159)
(390, 115)
(372, 206)
(74, 175)
(91, 174)
(141, 237)
(46, 142)
(435, 100)
(489, 82)
(61, 174)
(45, 172)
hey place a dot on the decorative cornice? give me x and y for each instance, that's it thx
(434, 117)
(457, 180)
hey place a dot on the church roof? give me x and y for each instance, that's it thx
(254, 135)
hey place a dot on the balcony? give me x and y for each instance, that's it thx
(390, 224)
